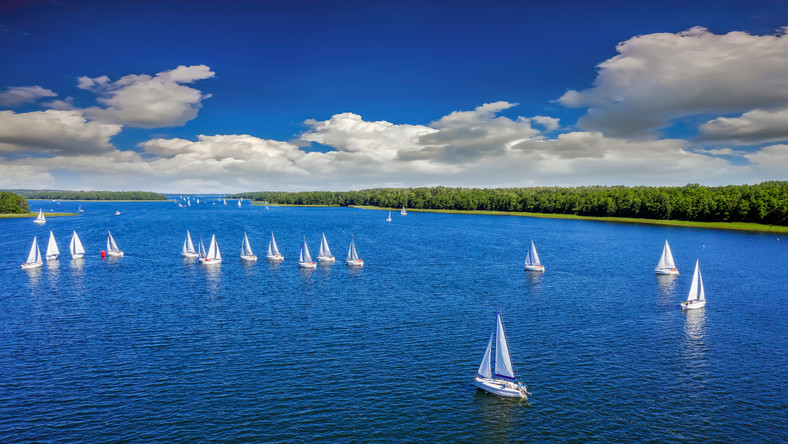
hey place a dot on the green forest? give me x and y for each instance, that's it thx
(92, 195)
(11, 203)
(764, 203)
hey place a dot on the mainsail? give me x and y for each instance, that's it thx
(111, 245)
(351, 252)
(484, 368)
(188, 246)
(52, 250)
(246, 249)
(324, 250)
(696, 292)
(532, 258)
(213, 250)
(76, 245)
(503, 363)
(272, 250)
(34, 257)
(305, 257)
(666, 260)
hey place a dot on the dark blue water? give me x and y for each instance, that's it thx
(152, 347)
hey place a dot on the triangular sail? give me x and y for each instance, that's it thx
(666, 260)
(188, 246)
(324, 250)
(484, 368)
(203, 254)
(532, 258)
(76, 245)
(41, 215)
(305, 257)
(52, 249)
(34, 256)
(701, 292)
(246, 249)
(272, 249)
(503, 363)
(693, 293)
(111, 245)
(213, 250)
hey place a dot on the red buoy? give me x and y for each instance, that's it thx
(103, 254)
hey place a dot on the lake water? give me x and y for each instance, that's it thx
(154, 348)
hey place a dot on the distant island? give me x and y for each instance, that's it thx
(764, 203)
(89, 195)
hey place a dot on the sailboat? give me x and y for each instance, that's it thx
(188, 247)
(80, 209)
(246, 250)
(117, 213)
(696, 297)
(34, 257)
(40, 219)
(502, 381)
(225, 201)
(239, 204)
(273, 252)
(52, 251)
(305, 260)
(213, 256)
(324, 254)
(75, 247)
(352, 256)
(532, 260)
(666, 265)
(389, 218)
(112, 247)
(403, 212)
(266, 205)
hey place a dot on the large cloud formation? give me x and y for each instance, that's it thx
(54, 132)
(659, 77)
(17, 95)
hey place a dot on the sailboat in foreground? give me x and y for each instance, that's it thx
(532, 260)
(75, 247)
(352, 256)
(305, 260)
(34, 257)
(188, 247)
(273, 251)
(697, 296)
(40, 219)
(112, 247)
(502, 381)
(666, 265)
(324, 254)
(213, 256)
(246, 250)
(52, 251)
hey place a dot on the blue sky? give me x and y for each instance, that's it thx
(236, 96)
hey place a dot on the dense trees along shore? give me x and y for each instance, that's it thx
(764, 203)
(11, 203)
(92, 195)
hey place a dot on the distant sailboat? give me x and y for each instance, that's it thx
(697, 296)
(273, 252)
(389, 218)
(75, 247)
(503, 381)
(225, 201)
(239, 204)
(352, 256)
(112, 247)
(532, 260)
(324, 254)
(666, 265)
(403, 212)
(266, 205)
(117, 213)
(188, 247)
(246, 250)
(52, 251)
(34, 257)
(188, 203)
(213, 256)
(305, 260)
(80, 209)
(40, 219)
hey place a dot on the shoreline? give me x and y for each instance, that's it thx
(261, 204)
(738, 226)
(20, 215)
(99, 200)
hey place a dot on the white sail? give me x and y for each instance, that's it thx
(34, 257)
(40, 219)
(696, 293)
(203, 254)
(213, 250)
(532, 258)
(484, 368)
(111, 245)
(239, 204)
(351, 252)
(188, 246)
(503, 363)
(389, 218)
(305, 257)
(246, 249)
(52, 250)
(76, 245)
(324, 250)
(272, 249)
(666, 260)
(403, 212)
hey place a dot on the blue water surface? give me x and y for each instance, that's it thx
(154, 348)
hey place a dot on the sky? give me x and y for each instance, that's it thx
(232, 96)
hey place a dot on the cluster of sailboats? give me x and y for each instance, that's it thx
(214, 256)
(35, 260)
(187, 202)
(697, 295)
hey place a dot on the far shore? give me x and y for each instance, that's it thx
(741, 226)
(260, 204)
(15, 215)
(94, 200)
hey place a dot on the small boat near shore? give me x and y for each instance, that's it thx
(40, 219)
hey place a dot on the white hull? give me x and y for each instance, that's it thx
(27, 266)
(39, 221)
(692, 305)
(77, 255)
(115, 253)
(251, 258)
(278, 257)
(539, 268)
(52, 257)
(207, 261)
(326, 259)
(310, 265)
(667, 271)
(190, 255)
(500, 387)
(356, 263)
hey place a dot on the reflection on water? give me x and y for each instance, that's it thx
(497, 415)
(532, 278)
(34, 275)
(694, 344)
(53, 272)
(214, 274)
(666, 284)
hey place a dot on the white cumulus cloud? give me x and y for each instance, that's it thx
(54, 132)
(18, 95)
(756, 126)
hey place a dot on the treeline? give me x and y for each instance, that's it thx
(764, 203)
(93, 195)
(11, 203)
